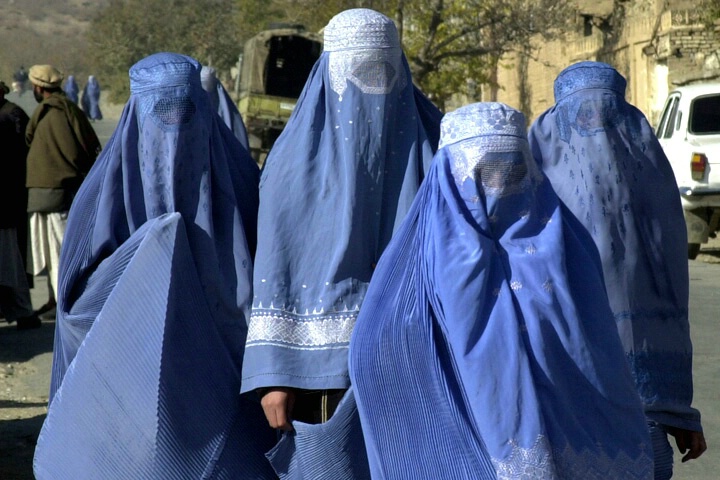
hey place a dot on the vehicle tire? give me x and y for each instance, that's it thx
(693, 250)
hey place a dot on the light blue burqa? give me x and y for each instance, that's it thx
(605, 163)
(90, 100)
(221, 101)
(71, 88)
(486, 347)
(335, 186)
(154, 294)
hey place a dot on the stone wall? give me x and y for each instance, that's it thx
(653, 45)
(692, 50)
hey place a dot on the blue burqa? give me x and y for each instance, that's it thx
(221, 101)
(154, 294)
(71, 88)
(606, 165)
(336, 184)
(486, 347)
(90, 100)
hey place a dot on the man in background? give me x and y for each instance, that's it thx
(14, 288)
(62, 148)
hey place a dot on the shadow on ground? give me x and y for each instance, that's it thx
(16, 451)
(21, 346)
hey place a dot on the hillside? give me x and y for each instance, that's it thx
(35, 31)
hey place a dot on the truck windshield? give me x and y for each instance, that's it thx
(705, 115)
(288, 65)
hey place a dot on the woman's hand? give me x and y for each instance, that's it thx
(277, 403)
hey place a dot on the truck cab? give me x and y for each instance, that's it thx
(689, 132)
(275, 66)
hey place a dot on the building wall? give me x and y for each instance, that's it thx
(654, 44)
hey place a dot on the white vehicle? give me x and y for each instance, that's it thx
(689, 132)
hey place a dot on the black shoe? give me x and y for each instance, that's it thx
(50, 305)
(27, 323)
(49, 315)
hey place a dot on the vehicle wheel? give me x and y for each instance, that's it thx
(693, 250)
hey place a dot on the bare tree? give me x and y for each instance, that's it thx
(448, 42)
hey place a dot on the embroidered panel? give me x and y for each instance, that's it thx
(311, 331)
(542, 461)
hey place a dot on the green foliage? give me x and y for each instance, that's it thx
(128, 30)
(254, 16)
(446, 42)
(710, 11)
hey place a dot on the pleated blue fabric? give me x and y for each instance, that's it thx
(606, 165)
(221, 101)
(71, 88)
(333, 450)
(486, 346)
(90, 100)
(155, 290)
(335, 186)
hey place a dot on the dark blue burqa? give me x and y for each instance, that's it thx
(486, 346)
(155, 290)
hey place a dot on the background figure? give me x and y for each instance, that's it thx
(91, 99)
(221, 101)
(154, 297)
(335, 185)
(486, 347)
(606, 164)
(20, 78)
(71, 89)
(63, 147)
(15, 301)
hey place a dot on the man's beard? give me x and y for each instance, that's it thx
(38, 96)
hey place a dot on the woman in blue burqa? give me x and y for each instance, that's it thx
(154, 294)
(486, 347)
(606, 165)
(223, 104)
(336, 184)
(71, 88)
(90, 101)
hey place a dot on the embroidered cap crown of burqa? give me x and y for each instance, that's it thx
(155, 289)
(487, 320)
(337, 182)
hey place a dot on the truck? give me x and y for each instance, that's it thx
(689, 133)
(275, 66)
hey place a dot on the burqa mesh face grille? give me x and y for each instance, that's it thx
(364, 49)
(174, 111)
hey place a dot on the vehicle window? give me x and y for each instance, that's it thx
(671, 110)
(705, 115)
(662, 124)
(288, 66)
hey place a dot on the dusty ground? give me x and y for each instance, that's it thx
(25, 360)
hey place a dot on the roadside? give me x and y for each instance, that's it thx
(25, 360)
